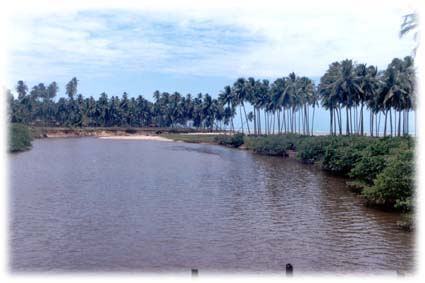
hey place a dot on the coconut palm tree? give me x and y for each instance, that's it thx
(227, 98)
(240, 93)
(409, 78)
(305, 92)
(329, 96)
(347, 88)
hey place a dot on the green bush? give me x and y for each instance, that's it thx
(268, 145)
(311, 150)
(342, 153)
(374, 157)
(393, 187)
(235, 140)
(19, 138)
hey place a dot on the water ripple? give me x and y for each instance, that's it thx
(112, 205)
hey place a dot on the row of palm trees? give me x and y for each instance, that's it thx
(287, 105)
(284, 105)
(38, 107)
(352, 87)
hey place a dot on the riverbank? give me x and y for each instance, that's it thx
(60, 132)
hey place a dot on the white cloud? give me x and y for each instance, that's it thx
(221, 39)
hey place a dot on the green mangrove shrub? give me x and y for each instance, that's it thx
(19, 137)
(394, 186)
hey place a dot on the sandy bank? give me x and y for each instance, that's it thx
(206, 133)
(136, 137)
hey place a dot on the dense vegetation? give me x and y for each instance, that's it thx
(382, 169)
(285, 106)
(19, 138)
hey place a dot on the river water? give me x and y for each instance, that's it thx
(91, 205)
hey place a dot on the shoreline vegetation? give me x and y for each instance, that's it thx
(380, 169)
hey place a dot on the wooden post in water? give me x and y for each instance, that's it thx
(289, 269)
(194, 272)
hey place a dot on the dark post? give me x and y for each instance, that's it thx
(194, 272)
(289, 269)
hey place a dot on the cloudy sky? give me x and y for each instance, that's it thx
(189, 47)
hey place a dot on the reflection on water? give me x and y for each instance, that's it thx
(91, 204)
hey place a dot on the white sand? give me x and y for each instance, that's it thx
(136, 137)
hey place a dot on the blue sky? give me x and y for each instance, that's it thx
(189, 48)
(139, 46)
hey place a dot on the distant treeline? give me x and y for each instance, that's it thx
(286, 105)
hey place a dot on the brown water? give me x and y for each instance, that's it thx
(87, 204)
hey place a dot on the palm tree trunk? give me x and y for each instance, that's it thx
(399, 123)
(255, 122)
(246, 118)
(259, 120)
(338, 114)
(377, 123)
(347, 126)
(278, 121)
(361, 119)
(404, 122)
(233, 126)
(270, 125)
(331, 120)
(385, 127)
(391, 122)
(283, 121)
(305, 121)
(416, 121)
(312, 121)
(340, 120)
(355, 131)
(407, 122)
(240, 112)
(308, 120)
(291, 117)
(299, 121)
(288, 120)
